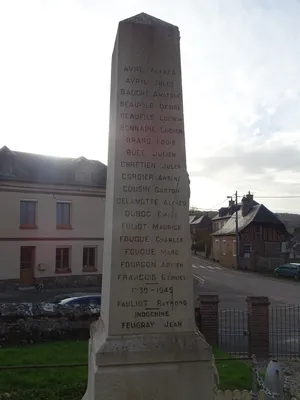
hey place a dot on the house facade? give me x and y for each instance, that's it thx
(260, 236)
(52, 220)
(201, 230)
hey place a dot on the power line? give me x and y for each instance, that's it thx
(277, 197)
(217, 205)
(214, 208)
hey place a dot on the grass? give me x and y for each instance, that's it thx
(70, 383)
(233, 374)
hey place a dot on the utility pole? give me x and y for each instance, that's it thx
(237, 247)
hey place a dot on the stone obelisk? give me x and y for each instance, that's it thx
(145, 345)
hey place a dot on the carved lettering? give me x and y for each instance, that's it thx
(166, 95)
(162, 71)
(137, 277)
(135, 116)
(163, 129)
(136, 81)
(166, 227)
(173, 324)
(164, 118)
(172, 265)
(134, 239)
(138, 325)
(138, 128)
(136, 104)
(164, 154)
(149, 314)
(137, 164)
(149, 177)
(175, 203)
(131, 68)
(164, 83)
(168, 277)
(137, 201)
(137, 153)
(166, 190)
(132, 303)
(165, 214)
(138, 264)
(138, 140)
(166, 142)
(164, 239)
(134, 92)
(170, 107)
(138, 214)
(136, 189)
(169, 252)
(171, 166)
(140, 252)
(133, 226)
(171, 303)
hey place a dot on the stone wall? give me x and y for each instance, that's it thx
(34, 323)
(56, 282)
(71, 281)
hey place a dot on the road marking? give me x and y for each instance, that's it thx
(200, 280)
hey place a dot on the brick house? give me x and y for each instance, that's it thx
(261, 235)
(52, 220)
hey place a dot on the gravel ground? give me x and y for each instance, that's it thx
(291, 370)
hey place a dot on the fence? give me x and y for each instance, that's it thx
(284, 331)
(260, 329)
(239, 395)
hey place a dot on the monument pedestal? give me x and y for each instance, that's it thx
(177, 366)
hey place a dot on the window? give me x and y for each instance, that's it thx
(224, 246)
(247, 250)
(89, 258)
(234, 248)
(62, 260)
(63, 215)
(258, 229)
(28, 214)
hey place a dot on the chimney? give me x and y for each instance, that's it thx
(223, 211)
(231, 203)
(247, 203)
(250, 197)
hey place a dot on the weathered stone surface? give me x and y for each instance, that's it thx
(146, 346)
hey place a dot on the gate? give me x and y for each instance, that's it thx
(233, 331)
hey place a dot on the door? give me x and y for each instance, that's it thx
(27, 262)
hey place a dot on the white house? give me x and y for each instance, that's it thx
(52, 220)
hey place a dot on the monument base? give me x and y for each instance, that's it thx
(176, 366)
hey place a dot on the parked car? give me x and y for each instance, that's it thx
(92, 299)
(290, 270)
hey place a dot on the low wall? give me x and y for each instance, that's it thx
(56, 282)
(34, 323)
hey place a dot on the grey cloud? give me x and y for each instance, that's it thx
(252, 161)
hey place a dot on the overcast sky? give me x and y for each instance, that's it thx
(241, 87)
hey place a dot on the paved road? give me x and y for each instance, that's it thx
(234, 286)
